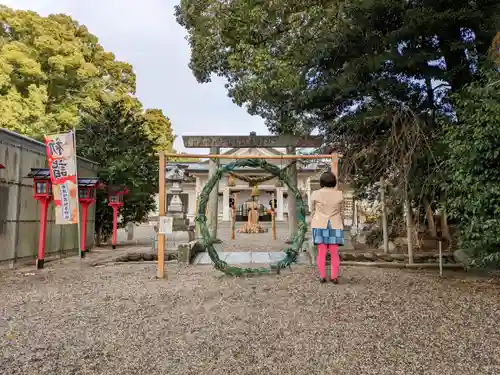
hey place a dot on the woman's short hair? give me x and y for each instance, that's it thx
(328, 180)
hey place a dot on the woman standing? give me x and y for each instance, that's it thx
(327, 224)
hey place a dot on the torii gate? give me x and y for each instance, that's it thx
(215, 143)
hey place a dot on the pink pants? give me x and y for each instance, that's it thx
(335, 260)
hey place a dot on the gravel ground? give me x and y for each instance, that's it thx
(116, 319)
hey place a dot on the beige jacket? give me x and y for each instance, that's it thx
(327, 205)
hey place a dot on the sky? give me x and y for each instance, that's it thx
(145, 34)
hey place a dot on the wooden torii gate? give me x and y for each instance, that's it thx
(215, 143)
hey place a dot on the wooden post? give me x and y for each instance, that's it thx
(440, 258)
(213, 199)
(273, 216)
(292, 202)
(409, 228)
(385, 230)
(335, 167)
(161, 222)
(233, 222)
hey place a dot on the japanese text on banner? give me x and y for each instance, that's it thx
(61, 157)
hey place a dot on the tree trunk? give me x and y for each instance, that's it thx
(445, 228)
(385, 230)
(430, 218)
(98, 235)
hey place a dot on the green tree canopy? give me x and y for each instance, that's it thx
(159, 129)
(352, 69)
(114, 136)
(51, 70)
(473, 185)
(55, 76)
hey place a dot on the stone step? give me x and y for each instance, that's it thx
(248, 258)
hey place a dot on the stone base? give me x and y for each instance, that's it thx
(392, 247)
(187, 252)
(183, 252)
(177, 237)
(180, 224)
(145, 256)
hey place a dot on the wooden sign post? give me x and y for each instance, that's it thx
(161, 220)
(273, 216)
(233, 224)
(335, 166)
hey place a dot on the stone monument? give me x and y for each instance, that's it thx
(180, 236)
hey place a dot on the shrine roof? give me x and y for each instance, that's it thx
(44, 173)
(88, 182)
(39, 173)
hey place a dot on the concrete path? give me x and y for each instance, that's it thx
(248, 258)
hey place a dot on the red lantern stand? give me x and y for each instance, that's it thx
(42, 192)
(115, 198)
(86, 196)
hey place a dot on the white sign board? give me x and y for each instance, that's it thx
(162, 225)
(169, 224)
(166, 225)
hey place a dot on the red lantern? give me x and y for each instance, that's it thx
(42, 192)
(86, 195)
(115, 199)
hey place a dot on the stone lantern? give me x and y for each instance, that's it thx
(176, 175)
(86, 195)
(179, 234)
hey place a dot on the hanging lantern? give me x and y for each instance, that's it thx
(230, 181)
(255, 191)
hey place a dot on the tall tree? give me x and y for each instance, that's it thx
(333, 53)
(51, 70)
(473, 184)
(351, 69)
(114, 136)
(159, 129)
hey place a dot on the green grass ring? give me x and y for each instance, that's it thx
(291, 253)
